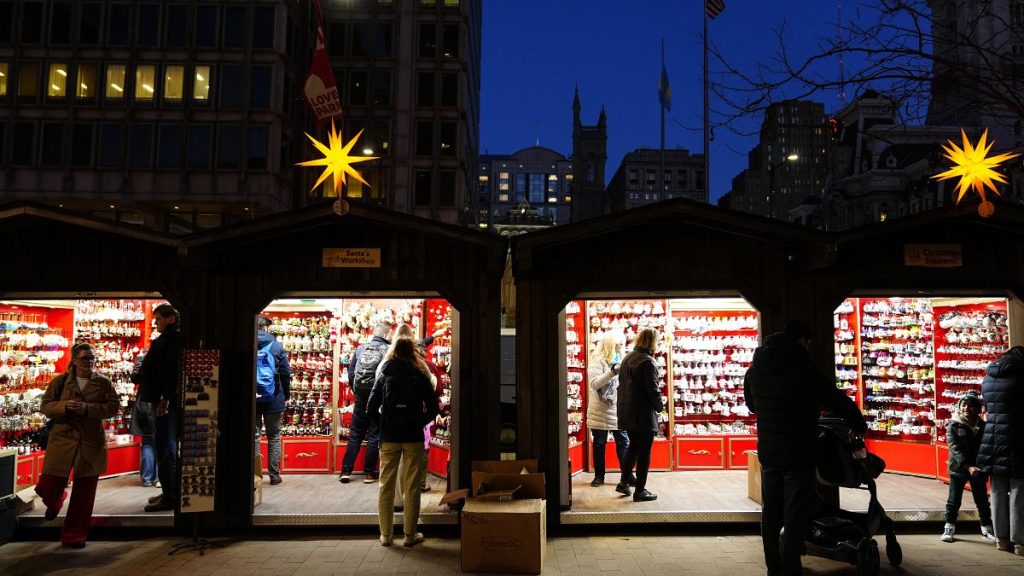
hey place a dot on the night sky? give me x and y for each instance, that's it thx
(535, 52)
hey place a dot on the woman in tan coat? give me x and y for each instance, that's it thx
(77, 401)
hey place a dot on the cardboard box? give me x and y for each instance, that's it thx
(504, 523)
(25, 500)
(753, 477)
(507, 537)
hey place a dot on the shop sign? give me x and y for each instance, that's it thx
(351, 258)
(933, 255)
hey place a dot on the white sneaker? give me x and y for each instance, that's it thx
(988, 534)
(412, 539)
(947, 532)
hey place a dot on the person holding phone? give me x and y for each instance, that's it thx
(77, 401)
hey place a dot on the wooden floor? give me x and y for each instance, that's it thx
(726, 490)
(709, 496)
(316, 494)
(120, 496)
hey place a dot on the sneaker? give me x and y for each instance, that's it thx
(987, 533)
(385, 540)
(597, 482)
(344, 478)
(413, 539)
(1004, 545)
(623, 488)
(369, 479)
(947, 532)
(644, 496)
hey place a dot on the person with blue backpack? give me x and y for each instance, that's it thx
(273, 388)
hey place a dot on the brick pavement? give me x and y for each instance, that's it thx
(358, 554)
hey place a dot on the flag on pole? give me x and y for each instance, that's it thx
(664, 89)
(320, 90)
(713, 8)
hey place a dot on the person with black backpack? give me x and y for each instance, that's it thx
(273, 388)
(362, 370)
(403, 401)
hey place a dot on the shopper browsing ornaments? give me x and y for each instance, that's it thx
(1002, 447)
(403, 402)
(639, 403)
(963, 435)
(602, 417)
(362, 370)
(159, 385)
(273, 388)
(77, 401)
(786, 391)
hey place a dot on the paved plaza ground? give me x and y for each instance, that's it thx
(341, 552)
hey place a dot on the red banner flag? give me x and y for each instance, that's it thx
(320, 91)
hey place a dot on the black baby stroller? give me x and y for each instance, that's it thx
(841, 460)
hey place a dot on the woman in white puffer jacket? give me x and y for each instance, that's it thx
(603, 381)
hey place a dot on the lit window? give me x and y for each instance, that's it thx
(115, 81)
(145, 81)
(502, 197)
(201, 85)
(4, 71)
(85, 88)
(483, 178)
(174, 82)
(57, 81)
(568, 198)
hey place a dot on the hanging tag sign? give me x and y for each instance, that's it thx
(351, 258)
(933, 255)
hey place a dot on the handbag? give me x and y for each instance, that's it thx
(608, 392)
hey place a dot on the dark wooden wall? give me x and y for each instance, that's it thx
(246, 275)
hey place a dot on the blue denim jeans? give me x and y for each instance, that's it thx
(166, 445)
(147, 460)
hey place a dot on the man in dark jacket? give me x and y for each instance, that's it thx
(269, 408)
(362, 372)
(786, 391)
(159, 386)
(1002, 447)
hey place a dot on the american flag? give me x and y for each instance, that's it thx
(713, 8)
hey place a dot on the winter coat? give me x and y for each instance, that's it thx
(160, 370)
(601, 415)
(1002, 444)
(786, 390)
(396, 425)
(77, 441)
(639, 399)
(143, 421)
(283, 378)
(964, 441)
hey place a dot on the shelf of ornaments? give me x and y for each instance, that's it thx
(717, 373)
(438, 324)
(577, 350)
(845, 328)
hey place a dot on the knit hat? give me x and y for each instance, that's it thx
(970, 397)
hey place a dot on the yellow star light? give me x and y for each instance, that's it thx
(976, 169)
(337, 160)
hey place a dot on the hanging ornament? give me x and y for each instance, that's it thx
(976, 169)
(336, 159)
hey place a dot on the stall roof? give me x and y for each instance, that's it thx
(1008, 217)
(685, 211)
(14, 212)
(283, 223)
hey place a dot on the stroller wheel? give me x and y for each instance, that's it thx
(868, 560)
(893, 550)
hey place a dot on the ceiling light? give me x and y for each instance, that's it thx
(148, 88)
(62, 72)
(116, 87)
(200, 77)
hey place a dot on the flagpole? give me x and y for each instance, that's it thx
(707, 139)
(661, 185)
